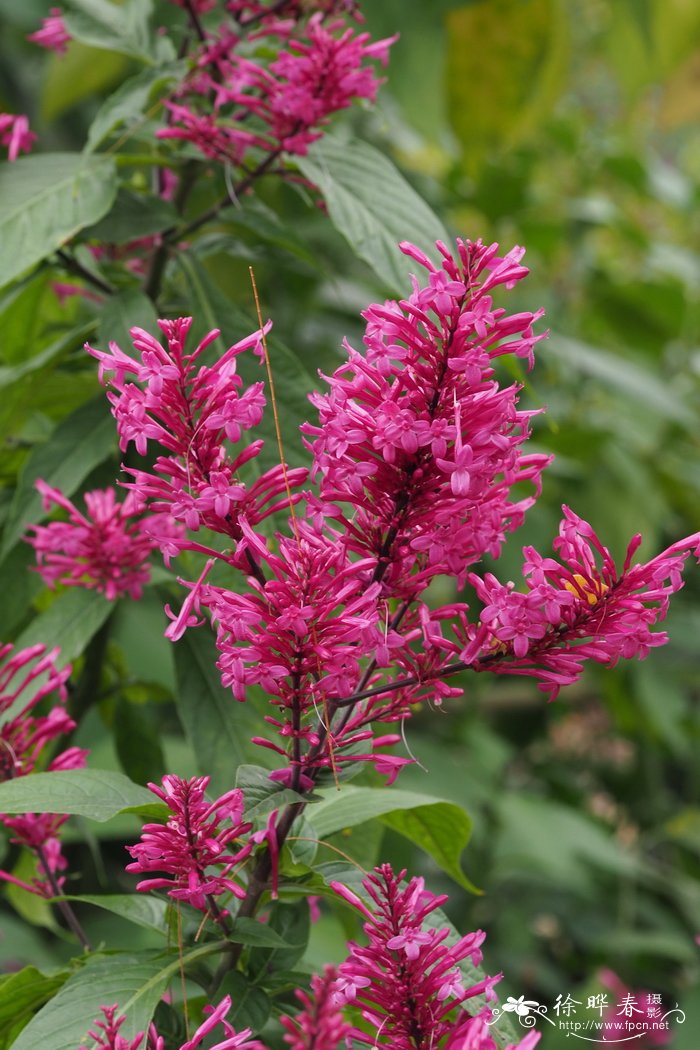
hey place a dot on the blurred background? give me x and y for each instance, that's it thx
(571, 127)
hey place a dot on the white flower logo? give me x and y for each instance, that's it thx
(520, 1006)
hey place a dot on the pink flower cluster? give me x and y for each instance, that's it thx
(15, 134)
(319, 1025)
(53, 34)
(28, 677)
(238, 101)
(106, 1033)
(191, 409)
(301, 635)
(199, 847)
(416, 454)
(406, 981)
(580, 608)
(105, 549)
(416, 435)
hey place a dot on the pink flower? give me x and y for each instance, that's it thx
(580, 608)
(15, 134)
(105, 549)
(301, 636)
(319, 1025)
(406, 981)
(27, 678)
(107, 1037)
(191, 410)
(417, 436)
(273, 106)
(198, 846)
(53, 34)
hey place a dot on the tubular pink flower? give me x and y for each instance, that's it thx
(15, 134)
(319, 1025)
(107, 1037)
(198, 847)
(106, 549)
(417, 436)
(406, 981)
(273, 106)
(27, 677)
(191, 410)
(53, 34)
(577, 609)
(301, 635)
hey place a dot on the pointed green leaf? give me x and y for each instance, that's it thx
(140, 908)
(112, 27)
(21, 995)
(372, 205)
(95, 793)
(136, 983)
(439, 827)
(127, 104)
(262, 794)
(45, 200)
(69, 623)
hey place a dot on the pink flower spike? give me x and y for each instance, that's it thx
(27, 677)
(320, 1024)
(200, 847)
(406, 981)
(106, 549)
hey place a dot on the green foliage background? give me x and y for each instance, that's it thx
(571, 128)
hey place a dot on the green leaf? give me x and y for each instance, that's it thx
(626, 377)
(137, 742)
(69, 623)
(21, 995)
(250, 1006)
(127, 104)
(28, 367)
(95, 793)
(292, 924)
(372, 205)
(257, 934)
(136, 983)
(45, 200)
(292, 381)
(133, 215)
(140, 908)
(79, 443)
(112, 27)
(217, 726)
(19, 586)
(262, 794)
(440, 828)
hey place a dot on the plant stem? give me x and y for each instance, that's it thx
(257, 884)
(63, 906)
(77, 268)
